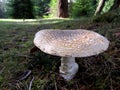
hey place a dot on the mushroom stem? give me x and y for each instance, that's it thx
(68, 68)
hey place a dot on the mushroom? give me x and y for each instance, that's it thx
(70, 44)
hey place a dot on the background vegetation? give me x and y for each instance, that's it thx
(20, 9)
(48, 8)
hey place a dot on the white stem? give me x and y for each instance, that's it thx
(68, 68)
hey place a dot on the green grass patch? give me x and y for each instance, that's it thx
(99, 72)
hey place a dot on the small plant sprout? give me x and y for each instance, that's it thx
(70, 44)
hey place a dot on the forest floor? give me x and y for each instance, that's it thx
(22, 70)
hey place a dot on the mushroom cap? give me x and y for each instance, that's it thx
(70, 43)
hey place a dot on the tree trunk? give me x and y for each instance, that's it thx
(63, 8)
(116, 5)
(1, 13)
(100, 7)
(1, 10)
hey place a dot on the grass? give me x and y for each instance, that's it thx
(99, 72)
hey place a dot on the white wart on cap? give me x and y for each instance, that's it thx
(74, 43)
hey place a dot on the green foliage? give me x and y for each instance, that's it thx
(107, 6)
(1, 11)
(21, 9)
(39, 84)
(53, 8)
(41, 7)
(1, 80)
(112, 16)
(82, 8)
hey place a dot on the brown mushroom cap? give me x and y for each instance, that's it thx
(74, 43)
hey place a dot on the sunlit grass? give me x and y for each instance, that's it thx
(17, 20)
(39, 21)
(31, 21)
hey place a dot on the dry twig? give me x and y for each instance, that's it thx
(30, 85)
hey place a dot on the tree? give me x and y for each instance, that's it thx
(41, 7)
(53, 8)
(63, 8)
(82, 8)
(3, 8)
(1, 12)
(100, 7)
(21, 9)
